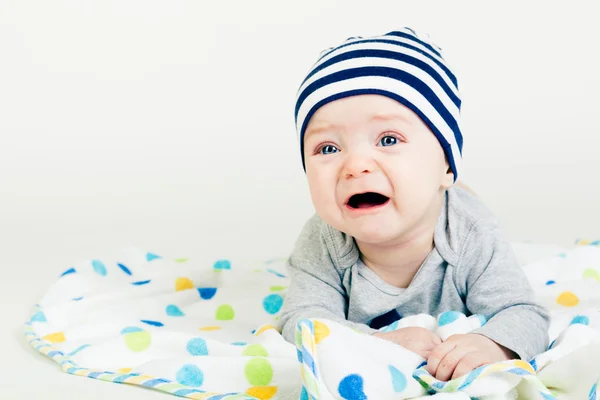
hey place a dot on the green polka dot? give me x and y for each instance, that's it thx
(137, 341)
(259, 372)
(255, 350)
(591, 274)
(181, 260)
(298, 337)
(277, 288)
(225, 313)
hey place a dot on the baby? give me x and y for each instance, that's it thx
(379, 128)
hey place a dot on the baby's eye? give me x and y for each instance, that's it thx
(388, 141)
(328, 149)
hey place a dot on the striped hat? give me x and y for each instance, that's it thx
(401, 65)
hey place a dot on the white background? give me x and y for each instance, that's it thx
(168, 125)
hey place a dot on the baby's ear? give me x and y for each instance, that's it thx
(448, 178)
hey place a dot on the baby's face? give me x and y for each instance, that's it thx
(375, 170)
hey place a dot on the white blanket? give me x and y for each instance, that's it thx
(207, 332)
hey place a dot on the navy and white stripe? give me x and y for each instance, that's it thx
(399, 65)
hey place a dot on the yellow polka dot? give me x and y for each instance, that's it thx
(524, 365)
(81, 372)
(56, 337)
(263, 329)
(567, 299)
(210, 328)
(321, 331)
(262, 392)
(183, 284)
(124, 370)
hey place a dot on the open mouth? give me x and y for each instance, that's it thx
(367, 200)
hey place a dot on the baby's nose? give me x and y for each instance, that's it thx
(357, 165)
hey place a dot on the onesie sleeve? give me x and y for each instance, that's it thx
(316, 289)
(496, 286)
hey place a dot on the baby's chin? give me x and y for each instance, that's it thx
(372, 232)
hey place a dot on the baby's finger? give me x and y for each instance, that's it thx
(438, 354)
(436, 339)
(468, 363)
(449, 363)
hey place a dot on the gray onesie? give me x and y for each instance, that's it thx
(471, 269)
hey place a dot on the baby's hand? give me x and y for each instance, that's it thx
(416, 339)
(461, 354)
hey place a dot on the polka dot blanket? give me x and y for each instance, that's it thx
(207, 331)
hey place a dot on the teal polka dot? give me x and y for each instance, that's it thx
(174, 311)
(272, 303)
(39, 317)
(131, 329)
(580, 319)
(151, 256)
(197, 347)
(448, 317)
(304, 394)
(222, 264)
(398, 379)
(99, 267)
(190, 375)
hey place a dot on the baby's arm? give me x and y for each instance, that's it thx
(316, 289)
(497, 287)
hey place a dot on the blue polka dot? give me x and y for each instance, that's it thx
(124, 268)
(68, 272)
(580, 319)
(140, 283)
(77, 298)
(131, 329)
(153, 323)
(222, 264)
(190, 375)
(238, 343)
(448, 317)
(174, 311)
(398, 379)
(562, 255)
(99, 267)
(533, 364)
(151, 256)
(471, 377)
(272, 303)
(197, 347)
(550, 282)
(207, 293)
(351, 388)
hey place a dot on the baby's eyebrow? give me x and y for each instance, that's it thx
(390, 117)
(320, 128)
